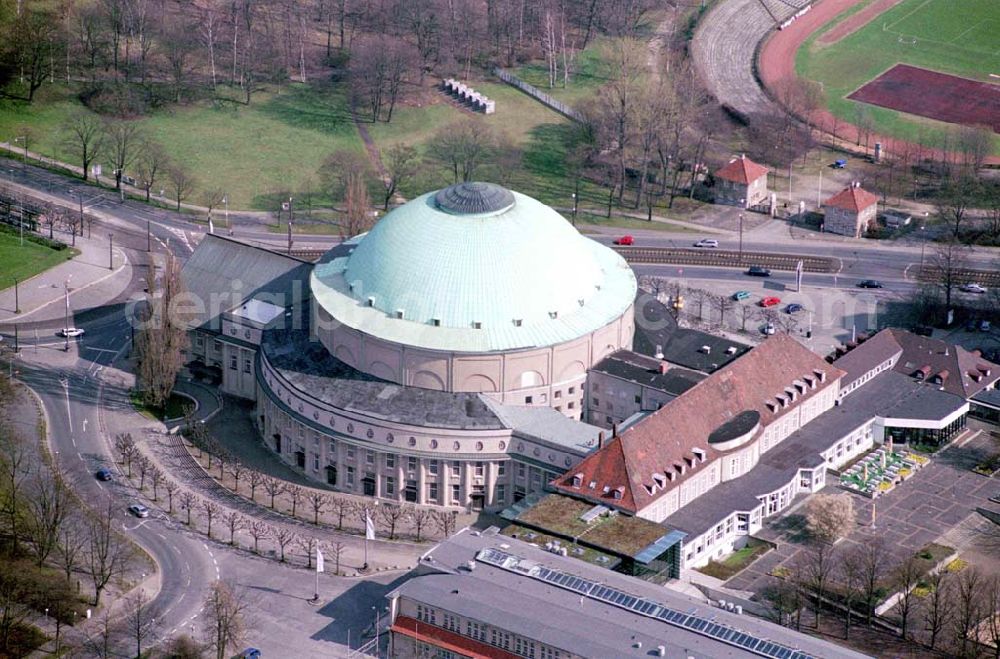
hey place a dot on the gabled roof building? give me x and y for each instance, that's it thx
(741, 182)
(850, 212)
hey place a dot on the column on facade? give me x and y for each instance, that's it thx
(422, 481)
(490, 481)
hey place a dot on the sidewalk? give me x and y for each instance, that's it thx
(90, 281)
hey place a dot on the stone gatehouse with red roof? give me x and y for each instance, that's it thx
(741, 182)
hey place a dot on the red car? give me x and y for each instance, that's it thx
(625, 240)
(769, 302)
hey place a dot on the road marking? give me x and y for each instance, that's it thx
(98, 349)
(69, 411)
(84, 429)
(80, 455)
(73, 439)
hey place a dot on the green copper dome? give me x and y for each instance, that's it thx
(475, 267)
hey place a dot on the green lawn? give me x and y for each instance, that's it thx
(176, 407)
(739, 559)
(933, 34)
(587, 74)
(21, 262)
(254, 152)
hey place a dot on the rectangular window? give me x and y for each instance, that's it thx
(350, 476)
(572, 390)
(520, 470)
(411, 463)
(350, 452)
(232, 362)
(390, 460)
(501, 469)
(480, 469)
(571, 405)
(246, 364)
(432, 467)
(456, 468)
(456, 493)
(557, 394)
(595, 401)
(432, 492)
(316, 463)
(501, 494)
(638, 400)
(528, 400)
(390, 486)
(333, 446)
(370, 457)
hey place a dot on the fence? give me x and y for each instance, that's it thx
(538, 95)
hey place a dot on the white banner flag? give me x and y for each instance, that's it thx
(211, 227)
(369, 527)
(319, 560)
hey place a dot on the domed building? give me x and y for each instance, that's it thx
(439, 359)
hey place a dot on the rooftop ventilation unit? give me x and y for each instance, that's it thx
(731, 350)
(399, 313)
(436, 322)
(706, 349)
(371, 302)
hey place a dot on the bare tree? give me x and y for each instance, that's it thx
(35, 35)
(337, 549)
(829, 516)
(850, 581)
(102, 637)
(317, 501)
(69, 552)
(48, 508)
(446, 520)
(143, 465)
(16, 465)
(108, 553)
(211, 510)
(308, 545)
(295, 495)
(162, 337)
(256, 480)
(139, 619)
(258, 530)
(236, 470)
(225, 621)
(150, 164)
(273, 486)
(401, 164)
(123, 140)
(462, 148)
(171, 487)
(234, 522)
(188, 501)
(906, 578)
(342, 507)
(421, 518)
(817, 570)
(391, 514)
(992, 608)
(968, 608)
(357, 217)
(938, 611)
(947, 267)
(284, 537)
(155, 480)
(84, 136)
(747, 312)
(182, 183)
(785, 598)
(874, 556)
(955, 199)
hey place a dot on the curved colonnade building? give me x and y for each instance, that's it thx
(440, 358)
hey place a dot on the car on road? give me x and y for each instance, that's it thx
(869, 283)
(250, 653)
(739, 296)
(839, 164)
(139, 510)
(758, 271)
(769, 301)
(104, 474)
(767, 329)
(973, 288)
(70, 332)
(794, 307)
(707, 242)
(984, 326)
(625, 240)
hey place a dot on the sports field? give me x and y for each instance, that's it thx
(950, 36)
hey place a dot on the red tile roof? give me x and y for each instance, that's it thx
(853, 198)
(666, 439)
(447, 640)
(741, 170)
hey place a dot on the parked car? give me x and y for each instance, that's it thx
(104, 474)
(759, 271)
(625, 240)
(839, 164)
(139, 510)
(707, 242)
(973, 288)
(70, 332)
(794, 307)
(739, 296)
(769, 301)
(250, 653)
(984, 326)
(767, 329)
(869, 283)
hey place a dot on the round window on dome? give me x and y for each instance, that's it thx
(457, 446)
(479, 446)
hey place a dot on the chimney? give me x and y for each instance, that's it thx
(614, 430)
(663, 367)
(600, 440)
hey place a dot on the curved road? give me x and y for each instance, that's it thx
(72, 397)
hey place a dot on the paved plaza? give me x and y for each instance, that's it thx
(937, 504)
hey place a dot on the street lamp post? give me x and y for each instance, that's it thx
(66, 317)
(23, 138)
(111, 251)
(576, 207)
(17, 303)
(225, 200)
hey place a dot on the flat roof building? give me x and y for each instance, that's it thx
(488, 595)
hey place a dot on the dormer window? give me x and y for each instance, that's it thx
(517, 322)
(477, 324)
(370, 302)
(553, 315)
(399, 314)
(577, 480)
(436, 322)
(619, 492)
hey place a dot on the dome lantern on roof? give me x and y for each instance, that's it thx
(474, 198)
